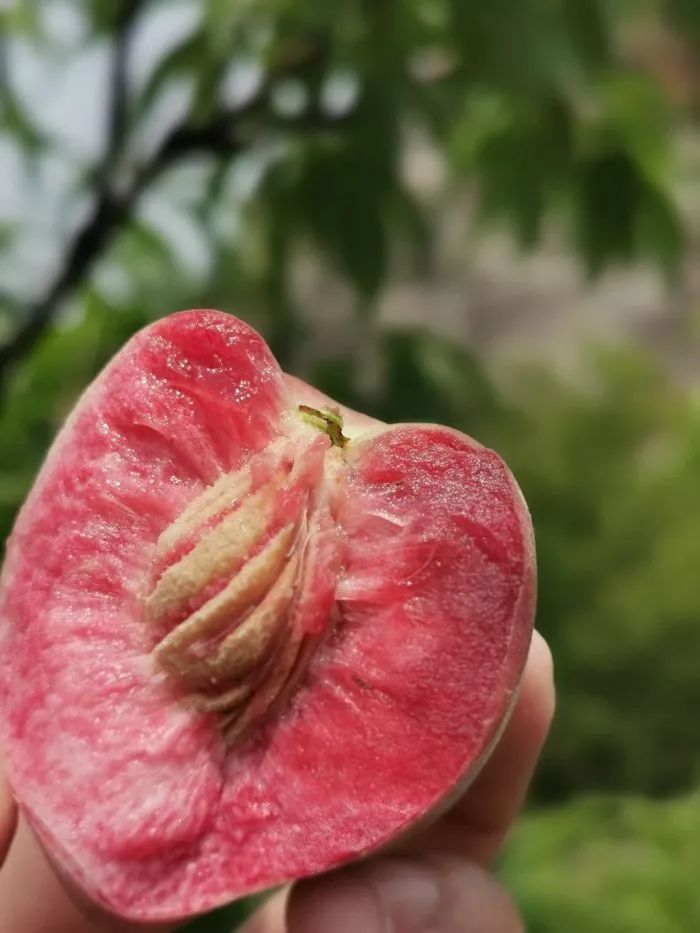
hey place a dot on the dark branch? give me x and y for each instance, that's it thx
(110, 212)
(118, 88)
(107, 211)
(224, 134)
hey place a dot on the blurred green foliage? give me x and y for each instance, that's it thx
(298, 113)
(226, 918)
(608, 865)
(538, 107)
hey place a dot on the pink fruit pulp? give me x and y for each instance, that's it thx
(133, 793)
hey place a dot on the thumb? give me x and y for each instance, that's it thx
(396, 895)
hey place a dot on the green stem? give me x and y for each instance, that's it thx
(327, 420)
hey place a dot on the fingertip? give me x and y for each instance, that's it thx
(540, 663)
(536, 703)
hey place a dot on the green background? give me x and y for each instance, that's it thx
(551, 119)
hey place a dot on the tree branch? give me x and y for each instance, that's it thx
(107, 210)
(111, 210)
(114, 205)
(118, 88)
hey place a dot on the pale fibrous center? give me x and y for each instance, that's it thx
(243, 580)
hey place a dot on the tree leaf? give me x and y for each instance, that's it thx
(523, 164)
(20, 17)
(588, 26)
(344, 187)
(685, 15)
(15, 121)
(661, 232)
(607, 198)
(180, 62)
(344, 216)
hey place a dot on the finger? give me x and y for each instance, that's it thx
(32, 899)
(476, 826)
(394, 895)
(8, 817)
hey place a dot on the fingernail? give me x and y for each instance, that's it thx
(409, 894)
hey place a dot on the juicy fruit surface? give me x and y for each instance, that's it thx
(407, 598)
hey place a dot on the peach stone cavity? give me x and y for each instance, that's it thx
(240, 581)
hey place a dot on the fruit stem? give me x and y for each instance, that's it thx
(328, 420)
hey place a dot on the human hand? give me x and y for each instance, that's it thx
(438, 881)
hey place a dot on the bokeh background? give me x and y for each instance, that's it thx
(485, 214)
